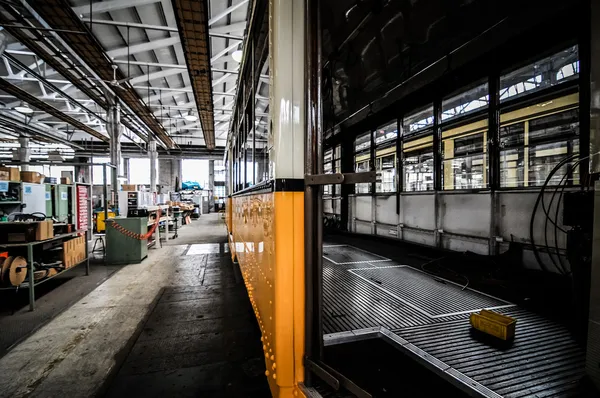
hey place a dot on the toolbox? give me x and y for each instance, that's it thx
(492, 323)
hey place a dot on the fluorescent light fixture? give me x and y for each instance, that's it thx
(23, 108)
(190, 117)
(237, 55)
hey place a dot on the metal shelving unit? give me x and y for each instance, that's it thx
(31, 283)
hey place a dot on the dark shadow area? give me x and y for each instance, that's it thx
(201, 339)
(383, 371)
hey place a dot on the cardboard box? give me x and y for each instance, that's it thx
(9, 174)
(66, 180)
(44, 230)
(73, 252)
(128, 187)
(32, 176)
(21, 232)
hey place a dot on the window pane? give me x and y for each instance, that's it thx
(466, 102)
(387, 133)
(362, 157)
(417, 121)
(418, 170)
(531, 148)
(555, 69)
(465, 160)
(386, 172)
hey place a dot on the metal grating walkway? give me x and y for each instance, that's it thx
(368, 296)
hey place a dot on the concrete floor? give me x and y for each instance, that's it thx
(101, 345)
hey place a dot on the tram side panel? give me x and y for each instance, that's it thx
(268, 235)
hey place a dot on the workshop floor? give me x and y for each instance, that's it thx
(177, 324)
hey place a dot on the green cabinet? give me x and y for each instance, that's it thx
(62, 202)
(122, 249)
(49, 205)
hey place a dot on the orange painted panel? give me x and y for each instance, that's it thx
(268, 237)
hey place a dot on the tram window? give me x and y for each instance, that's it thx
(550, 71)
(385, 157)
(328, 169)
(466, 102)
(362, 160)
(418, 170)
(262, 160)
(465, 160)
(418, 164)
(418, 121)
(531, 148)
(250, 166)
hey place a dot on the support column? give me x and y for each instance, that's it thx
(211, 184)
(593, 336)
(152, 157)
(24, 152)
(114, 129)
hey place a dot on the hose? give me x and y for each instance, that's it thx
(535, 207)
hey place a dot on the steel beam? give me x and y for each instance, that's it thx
(163, 28)
(142, 47)
(181, 89)
(110, 6)
(151, 64)
(234, 27)
(224, 51)
(156, 75)
(226, 12)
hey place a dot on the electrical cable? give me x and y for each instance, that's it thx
(560, 268)
(535, 207)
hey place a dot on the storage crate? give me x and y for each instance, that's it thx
(492, 323)
(73, 251)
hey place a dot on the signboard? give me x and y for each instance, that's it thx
(3, 186)
(64, 196)
(82, 207)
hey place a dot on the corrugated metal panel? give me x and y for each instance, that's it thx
(192, 21)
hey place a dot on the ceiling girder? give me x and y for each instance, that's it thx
(58, 14)
(192, 22)
(142, 47)
(38, 46)
(110, 6)
(33, 101)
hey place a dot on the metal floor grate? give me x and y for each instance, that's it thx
(542, 361)
(345, 254)
(430, 316)
(434, 297)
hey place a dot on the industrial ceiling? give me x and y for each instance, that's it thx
(176, 69)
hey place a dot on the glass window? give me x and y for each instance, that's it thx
(386, 170)
(385, 157)
(465, 160)
(139, 171)
(533, 140)
(97, 172)
(362, 160)
(555, 69)
(328, 169)
(417, 121)
(466, 102)
(418, 164)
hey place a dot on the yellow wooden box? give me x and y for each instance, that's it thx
(492, 323)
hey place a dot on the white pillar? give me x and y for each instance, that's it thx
(152, 155)
(24, 152)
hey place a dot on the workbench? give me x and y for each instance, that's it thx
(31, 283)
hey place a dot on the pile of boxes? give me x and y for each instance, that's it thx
(73, 252)
(22, 232)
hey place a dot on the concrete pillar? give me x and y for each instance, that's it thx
(211, 184)
(152, 157)
(24, 152)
